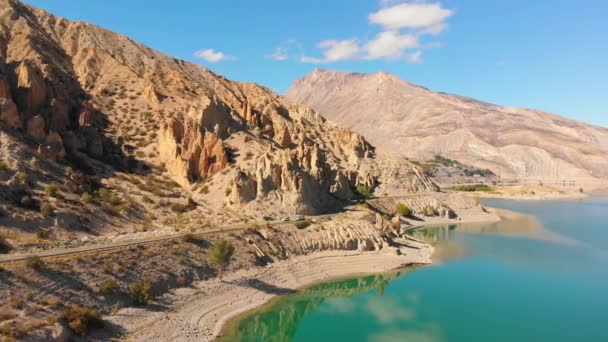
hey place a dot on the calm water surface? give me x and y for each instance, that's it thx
(498, 282)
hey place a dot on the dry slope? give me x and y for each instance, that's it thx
(414, 121)
(115, 132)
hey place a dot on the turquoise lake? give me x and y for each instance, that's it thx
(508, 281)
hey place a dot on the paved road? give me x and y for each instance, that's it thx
(109, 246)
(104, 247)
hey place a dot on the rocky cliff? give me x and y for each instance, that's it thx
(416, 122)
(159, 132)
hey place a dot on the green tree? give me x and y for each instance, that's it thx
(220, 255)
(403, 209)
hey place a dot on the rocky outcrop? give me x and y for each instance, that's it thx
(8, 109)
(31, 89)
(52, 147)
(190, 153)
(81, 91)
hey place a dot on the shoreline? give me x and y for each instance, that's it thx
(200, 313)
(531, 197)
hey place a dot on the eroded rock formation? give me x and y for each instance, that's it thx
(190, 153)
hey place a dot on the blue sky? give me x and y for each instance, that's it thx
(544, 54)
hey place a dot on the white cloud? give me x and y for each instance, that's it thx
(284, 51)
(403, 24)
(212, 56)
(279, 54)
(335, 50)
(410, 15)
(390, 44)
(414, 57)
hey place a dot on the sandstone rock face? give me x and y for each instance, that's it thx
(188, 152)
(92, 89)
(31, 88)
(413, 121)
(8, 108)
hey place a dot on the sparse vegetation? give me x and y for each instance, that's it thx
(403, 209)
(480, 172)
(43, 234)
(51, 190)
(3, 167)
(22, 177)
(34, 262)
(107, 286)
(302, 224)
(26, 201)
(86, 197)
(46, 209)
(141, 290)
(472, 188)
(183, 208)
(82, 319)
(220, 255)
(5, 247)
(364, 191)
(429, 210)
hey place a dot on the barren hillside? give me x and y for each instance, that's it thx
(419, 123)
(102, 135)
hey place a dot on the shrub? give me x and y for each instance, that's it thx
(34, 262)
(403, 210)
(52, 301)
(3, 167)
(5, 247)
(46, 209)
(107, 267)
(107, 286)
(183, 208)
(26, 201)
(302, 224)
(429, 210)
(22, 177)
(81, 319)
(51, 190)
(364, 190)
(86, 197)
(472, 188)
(42, 234)
(15, 302)
(220, 255)
(141, 290)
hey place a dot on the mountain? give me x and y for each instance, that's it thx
(127, 134)
(416, 122)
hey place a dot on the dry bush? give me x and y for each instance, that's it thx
(82, 319)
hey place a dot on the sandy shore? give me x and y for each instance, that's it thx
(199, 313)
(533, 197)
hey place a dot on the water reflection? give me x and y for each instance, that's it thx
(280, 321)
(519, 279)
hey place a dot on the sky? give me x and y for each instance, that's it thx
(550, 55)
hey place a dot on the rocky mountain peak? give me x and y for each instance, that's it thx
(416, 122)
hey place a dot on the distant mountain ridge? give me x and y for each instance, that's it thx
(405, 118)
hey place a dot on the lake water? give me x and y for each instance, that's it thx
(511, 281)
